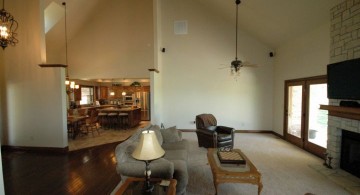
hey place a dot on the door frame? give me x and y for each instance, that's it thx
(291, 138)
(302, 142)
(309, 146)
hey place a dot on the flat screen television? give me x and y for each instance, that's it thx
(344, 80)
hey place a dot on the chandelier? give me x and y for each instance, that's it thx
(70, 85)
(8, 26)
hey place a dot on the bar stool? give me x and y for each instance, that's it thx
(124, 120)
(112, 119)
(102, 117)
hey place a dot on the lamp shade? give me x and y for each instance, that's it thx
(148, 147)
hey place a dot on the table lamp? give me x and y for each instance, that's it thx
(147, 150)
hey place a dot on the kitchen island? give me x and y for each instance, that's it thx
(134, 114)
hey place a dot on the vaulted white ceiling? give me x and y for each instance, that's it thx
(271, 21)
(275, 22)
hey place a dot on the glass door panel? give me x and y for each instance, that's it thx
(294, 110)
(318, 119)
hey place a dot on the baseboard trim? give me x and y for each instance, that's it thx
(187, 130)
(278, 135)
(253, 131)
(35, 149)
(243, 131)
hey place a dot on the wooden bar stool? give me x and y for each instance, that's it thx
(102, 117)
(124, 120)
(112, 119)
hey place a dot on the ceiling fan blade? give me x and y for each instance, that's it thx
(248, 64)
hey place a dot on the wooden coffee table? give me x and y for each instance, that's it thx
(232, 173)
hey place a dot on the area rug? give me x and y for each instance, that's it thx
(285, 169)
(106, 136)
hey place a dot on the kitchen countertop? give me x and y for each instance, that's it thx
(118, 109)
(103, 107)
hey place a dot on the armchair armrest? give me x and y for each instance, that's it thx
(210, 131)
(224, 129)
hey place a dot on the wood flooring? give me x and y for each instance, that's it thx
(88, 171)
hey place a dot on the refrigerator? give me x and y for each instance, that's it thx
(142, 100)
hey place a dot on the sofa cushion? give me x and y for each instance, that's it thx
(181, 175)
(170, 134)
(176, 155)
(158, 135)
(160, 168)
(180, 145)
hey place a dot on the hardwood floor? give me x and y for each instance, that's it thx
(87, 171)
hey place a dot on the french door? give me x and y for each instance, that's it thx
(305, 124)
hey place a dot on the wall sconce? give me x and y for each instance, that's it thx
(70, 88)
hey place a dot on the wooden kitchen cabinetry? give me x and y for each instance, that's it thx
(77, 94)
(118, 90)
(145, 88)
(103, 92)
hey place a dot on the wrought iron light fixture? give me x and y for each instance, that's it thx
(8, 26)
(70, 85)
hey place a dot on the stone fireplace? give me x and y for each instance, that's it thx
(345, 45)
(340, 119)
(350, 152)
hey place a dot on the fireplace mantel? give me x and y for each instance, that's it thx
(343, 112)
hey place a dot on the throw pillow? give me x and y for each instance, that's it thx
(158, 135)
(170, 134)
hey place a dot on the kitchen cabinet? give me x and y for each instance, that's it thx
(145, 89)
(119, 89)
(77, 94)
(103, 92)
(117, 92)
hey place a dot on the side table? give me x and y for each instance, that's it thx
(134, 185)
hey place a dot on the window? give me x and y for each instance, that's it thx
(87, 95)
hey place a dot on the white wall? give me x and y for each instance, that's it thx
(156, 78)
(33, 104)
(117, 41)
(306, 56)
(192, 82)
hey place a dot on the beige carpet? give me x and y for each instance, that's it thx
(285, 169)
(105, 137)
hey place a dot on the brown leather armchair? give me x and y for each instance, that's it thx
(212, 136)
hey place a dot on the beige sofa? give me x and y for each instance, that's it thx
(172, 165)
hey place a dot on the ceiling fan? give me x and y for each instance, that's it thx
(237, 64)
